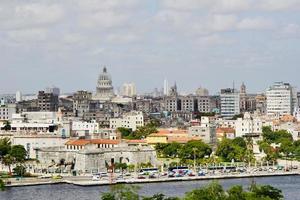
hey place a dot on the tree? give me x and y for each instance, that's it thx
(160, 197)
(8, 160)
(172, 150)
(125, 132)
(122, 192)
(5, 146)
(195, 148)
(213, 191)
(18, 152)
(7, 126)
(2, 185)
(229, 150)
(266, 191)
(19, 170)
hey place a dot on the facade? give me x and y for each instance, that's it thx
(80, 128)
(104, 89)
(7, 111)
(279, 99)
(248, 126)
(230, 103)
(206, 131)
(202, 92)
(81, 102)
(47, 101)
(128, 90)
(131, 120)
(18, 96)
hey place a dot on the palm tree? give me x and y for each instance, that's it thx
(8, 160)
(7, 126)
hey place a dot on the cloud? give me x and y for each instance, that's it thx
(289, 31)
(258, 23)
(27, 35)
(33, 15)
(278, 5)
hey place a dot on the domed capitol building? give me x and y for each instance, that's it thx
(104, 89)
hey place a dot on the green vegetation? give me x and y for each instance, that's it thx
(237, 149)
(11, 154)
(194, 149)
(212, 191)
(141, 132)
(286, 147)
(2, 185)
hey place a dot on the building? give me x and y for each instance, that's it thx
(202, 92)
(54, 90)
(230, 103)
(166, 87)
(279, 99)
(80, 128)
(131, 120)
(261, 104)
(47, 101)
(18, 96)
(7, 110)
(248, 126)
(81, 102)
(128, 90)
(104, 89)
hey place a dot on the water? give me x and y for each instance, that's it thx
(290, 185)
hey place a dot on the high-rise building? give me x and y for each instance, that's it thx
(18, 96)
(47, 101)
(166, 87)
(202, 92)
(54, 90)
(104, 89)
(230, 102)
(280, 99)
(128, 89)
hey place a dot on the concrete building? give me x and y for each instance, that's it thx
(131, 120)
(206, 131)
(80, 128)
(248, 126)
(92, 156)
(104, 89)
(230, 103)
(202, 92)
(128, 90)
(54, 90)
(81, 102)
(166, 87)
(18, 96)
(47, 101)
(279, 99)
(7, 110)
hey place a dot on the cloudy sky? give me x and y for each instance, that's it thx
(208, 43)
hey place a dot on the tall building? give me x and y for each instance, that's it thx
(7, 110)
(47, 101)
(18, 96)
(230, 103)
(166, 87)
(54, 90)
(202, 92)
(104, 89)
(279, 99)
(128, 89)
(81, 102)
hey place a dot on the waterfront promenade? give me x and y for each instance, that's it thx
(87, 180)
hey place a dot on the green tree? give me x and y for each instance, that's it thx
(2, 185)
(8, 160)
(19, 170)
(160, 197)
(172, 150)
(266, 192)
(7, 126)
(125, 132)
(229, 151)
(18, 152)
(195, 148)
(5, 146)
(213, 191)
(122, 192)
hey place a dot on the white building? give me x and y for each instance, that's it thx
(166, 87)
(128, 90)
(80, 128)
(279, 99)
(18, 96)
(7, 111)
(206, 131)
(248, 126)
(131, 120)
(230, 103)
(32, 142)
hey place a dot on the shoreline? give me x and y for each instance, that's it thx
(90, 183)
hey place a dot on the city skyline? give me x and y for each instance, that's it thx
(195, 43)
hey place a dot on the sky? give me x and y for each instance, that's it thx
(208, 43)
